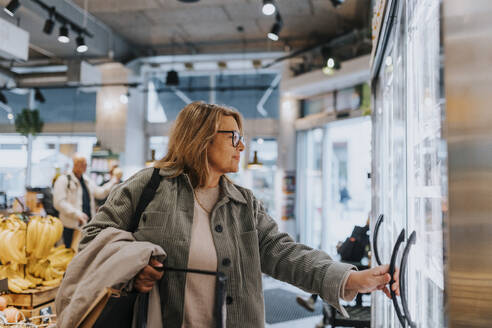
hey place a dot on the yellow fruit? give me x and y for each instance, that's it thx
(53, 282)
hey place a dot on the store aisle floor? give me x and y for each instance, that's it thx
(309, 322)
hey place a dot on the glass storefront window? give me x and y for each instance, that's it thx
(260, 180)
(159, 145)
(13, 164)
(334, 192)
(49, 154)
(347, 153)
(310, 187)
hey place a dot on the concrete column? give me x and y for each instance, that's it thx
(111, 112)
(31, 105)
(288, 113)
(136, 145)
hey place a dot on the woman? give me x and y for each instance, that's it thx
(204, 221)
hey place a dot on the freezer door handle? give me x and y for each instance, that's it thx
(400, 240)
(403, 267)
(375, 238)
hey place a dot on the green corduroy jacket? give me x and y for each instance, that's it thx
(242, 232)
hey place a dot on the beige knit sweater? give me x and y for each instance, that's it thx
(200, 289)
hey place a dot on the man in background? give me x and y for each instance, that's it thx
(73, 196)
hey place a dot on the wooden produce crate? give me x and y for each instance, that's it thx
(37, 313)
(31, 298)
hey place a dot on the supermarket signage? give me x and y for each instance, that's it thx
(15, 41)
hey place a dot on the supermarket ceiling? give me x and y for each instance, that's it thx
(127, 29)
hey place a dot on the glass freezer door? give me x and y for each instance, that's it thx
(426, 165)
(389, 165)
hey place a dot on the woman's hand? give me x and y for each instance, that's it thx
(369, 280)
(146, 278)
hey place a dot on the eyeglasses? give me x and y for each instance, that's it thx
(236, 137)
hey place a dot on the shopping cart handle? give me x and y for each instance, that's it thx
(165, 268)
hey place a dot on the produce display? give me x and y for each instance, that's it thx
(28, 254)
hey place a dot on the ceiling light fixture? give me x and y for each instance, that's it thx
(81, 46)
(48, 26)
(12, 7)
(172, 78)
(124, 98)
(38, 96)
(50, 23)
(189, 66)
(277, 26)
(255, 164)
(330, 63)
(268, 8)
(221, 64)
(10, 116)
(63, 34)
(3, 99)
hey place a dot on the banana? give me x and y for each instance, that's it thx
(27, 253)
(33, 280)
(7, 249)
(13, 287)
(3, 254)
(40, 236)
(17, 247)
(53, 282)
(30, 238)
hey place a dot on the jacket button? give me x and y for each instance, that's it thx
(218, 228)
(228, 300)
(226, 261)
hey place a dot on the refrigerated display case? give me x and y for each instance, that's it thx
(409, 164)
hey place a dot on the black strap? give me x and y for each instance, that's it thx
(145, 198)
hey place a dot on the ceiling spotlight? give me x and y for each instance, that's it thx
(268, 7)
(38, 96)
(330, 63)
(336, 3)
(48, 26)
(273, 35)
(3, 99)
(81, 46)
(63, 34)
(12, 7)
(277, 26)
(172, 78)
(50, 23)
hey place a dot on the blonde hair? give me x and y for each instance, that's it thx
(193, 130)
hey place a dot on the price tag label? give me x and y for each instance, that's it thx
(45, 314)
